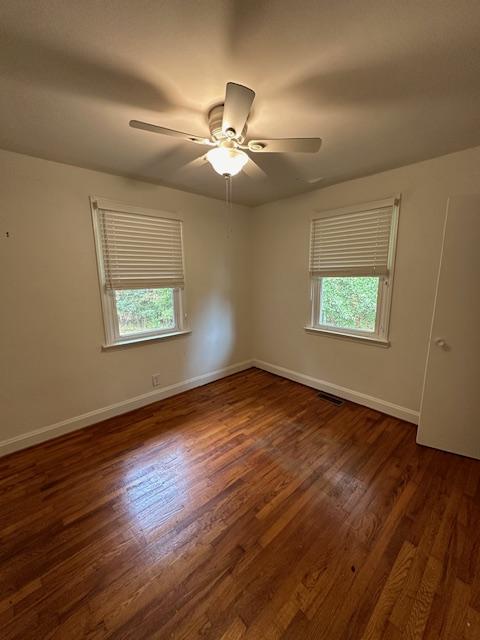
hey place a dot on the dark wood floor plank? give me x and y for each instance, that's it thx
(247, 509)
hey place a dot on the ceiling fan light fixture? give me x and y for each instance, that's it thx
(226, 161)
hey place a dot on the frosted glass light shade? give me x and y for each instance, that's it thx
(227, 162)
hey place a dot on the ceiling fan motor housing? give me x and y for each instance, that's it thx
(215, 119)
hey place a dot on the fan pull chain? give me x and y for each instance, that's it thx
(228, 190)
(228, 199)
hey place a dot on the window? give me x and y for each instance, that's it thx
(351, 268)
(140, 264)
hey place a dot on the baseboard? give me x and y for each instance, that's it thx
(85, 419)
(349, 394)
(48, 432)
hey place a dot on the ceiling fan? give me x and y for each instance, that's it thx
(228, 129)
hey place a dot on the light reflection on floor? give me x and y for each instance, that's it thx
(157, 489)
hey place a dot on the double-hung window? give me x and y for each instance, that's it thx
(352, 253)
(140, 265)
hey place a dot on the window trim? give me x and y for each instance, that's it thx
(385, 292)
(109, 310)
(139, 341)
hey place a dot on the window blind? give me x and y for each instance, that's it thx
(352, 244)
(140, 251)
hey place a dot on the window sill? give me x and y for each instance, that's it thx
(144, 340)
(379, 342)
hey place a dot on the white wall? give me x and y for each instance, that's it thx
(280, 235)
(251, 284)
(52, 366)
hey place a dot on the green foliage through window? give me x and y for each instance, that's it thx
(349, 303)
(143, 310)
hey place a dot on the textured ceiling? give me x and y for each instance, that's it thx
(382, 82)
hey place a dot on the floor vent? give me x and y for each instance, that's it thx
(331, 398)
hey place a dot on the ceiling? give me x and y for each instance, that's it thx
(384, 83)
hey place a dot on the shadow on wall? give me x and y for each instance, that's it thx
(215, 326)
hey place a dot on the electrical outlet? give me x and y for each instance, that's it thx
(156, 380)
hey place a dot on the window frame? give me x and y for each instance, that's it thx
(113, 338)
(113, 335)
(385, 286)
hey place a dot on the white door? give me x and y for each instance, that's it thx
(450, 413)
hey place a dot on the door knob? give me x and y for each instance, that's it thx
(441, 343)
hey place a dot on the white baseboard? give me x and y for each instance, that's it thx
(85, 419)
(91, 417)
(348, 394)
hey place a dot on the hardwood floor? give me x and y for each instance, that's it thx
(245, 509)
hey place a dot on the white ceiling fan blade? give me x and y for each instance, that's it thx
(146, 126)
(311, 180)
(201, 161)
(286, 145)
(238, 102)
(253, 170)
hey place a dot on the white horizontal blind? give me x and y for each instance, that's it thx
(140, 251)
(352, 244)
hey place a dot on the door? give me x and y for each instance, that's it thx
(450, 413)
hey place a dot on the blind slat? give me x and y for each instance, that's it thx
(141, 251)
(353, 244)
(365, 228)
(330, 223)
(127, 235)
